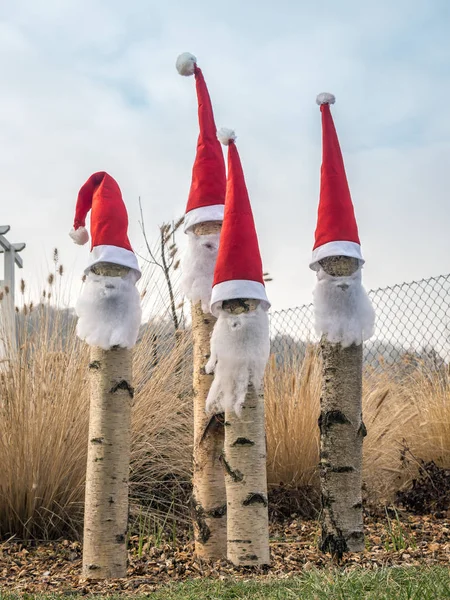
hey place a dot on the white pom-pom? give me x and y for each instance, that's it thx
(325, 98)
(186, 64)
(225, 136)
(80, 236)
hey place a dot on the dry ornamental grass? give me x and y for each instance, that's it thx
(44, 405)
(406, 410)
(44, 399)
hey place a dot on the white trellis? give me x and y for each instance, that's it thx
(7, 286)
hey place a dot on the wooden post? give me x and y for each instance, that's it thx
(11, 259)
(208, 506)
(341, 436)
(107, 475)
(244, 463)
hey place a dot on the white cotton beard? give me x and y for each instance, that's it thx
(109, 311)
(239, 352)
(198, 268)
(343, 310)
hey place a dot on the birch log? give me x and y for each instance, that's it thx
(107, 475)
(208, 506)
(341, 436)
(244, 463)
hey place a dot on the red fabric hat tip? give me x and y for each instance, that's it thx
(238, 272)
(336, 222)
(208, 185)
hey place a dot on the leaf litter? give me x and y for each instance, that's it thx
(393, 538)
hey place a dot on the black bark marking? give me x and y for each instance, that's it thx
(246, 557)
(98, 440)
(362, 431)
(332, 539)
(218, 512)
(214, 426)
(95, 365)
(331, 417)
(335, 544)
(255, 498)
(235, 475)
(122, 385)
(241, 441)
(198, 516)
(111, 500)
(98, 458)
(239, 541)
(120, 538)
(93, 567)
(327, 497)
(341, 469)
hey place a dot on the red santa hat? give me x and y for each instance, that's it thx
(109, 223)
(207, 194)
(238, 272)
(336, 233)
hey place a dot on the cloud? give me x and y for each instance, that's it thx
(92, 85)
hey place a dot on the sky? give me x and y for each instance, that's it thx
(89, 85)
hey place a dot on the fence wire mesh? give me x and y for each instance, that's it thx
(412, 320)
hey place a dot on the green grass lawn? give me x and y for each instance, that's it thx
(382, 584)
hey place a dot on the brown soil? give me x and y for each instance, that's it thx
(398, 540)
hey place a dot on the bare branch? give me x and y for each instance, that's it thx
(169, 282)
(142, 226)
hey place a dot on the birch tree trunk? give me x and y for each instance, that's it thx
(107, 475)
(208, 505)
(244, 463)
(341, 437)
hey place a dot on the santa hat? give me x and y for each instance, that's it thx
(336, 233)
(238, 272)
(207, 194)
(109, 223)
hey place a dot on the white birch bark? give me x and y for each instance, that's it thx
(208, 505)
(244, 463)
(107, 475)
(341, 437)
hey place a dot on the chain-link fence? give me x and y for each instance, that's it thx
(412, 320)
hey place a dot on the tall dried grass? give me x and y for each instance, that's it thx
(43, 429)
(44, 405)
(292, 392)
(44, 397)
(406, 409)
(162, 424)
